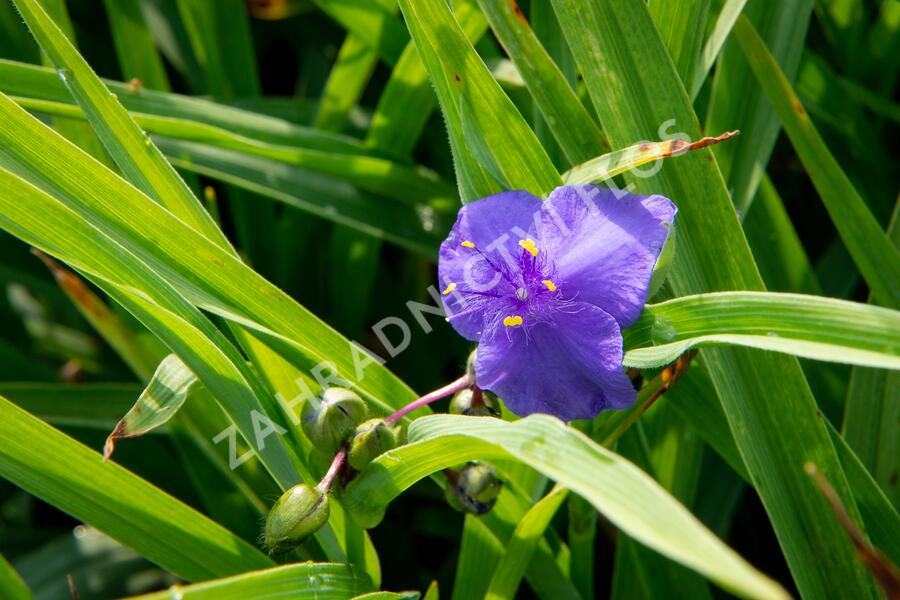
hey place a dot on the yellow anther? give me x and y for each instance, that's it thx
(550, 285)
(512, 321)
(467, 244)
(529, 245)
(449, 289)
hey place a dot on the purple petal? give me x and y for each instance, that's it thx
(494, 225)
(569, 366)
(604, 246)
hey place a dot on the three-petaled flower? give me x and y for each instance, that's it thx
(546, 288)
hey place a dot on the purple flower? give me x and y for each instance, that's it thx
(546, 288)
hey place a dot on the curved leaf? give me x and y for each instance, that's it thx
(319, 581)
(623, 493)
(168, 389)
(808, 326)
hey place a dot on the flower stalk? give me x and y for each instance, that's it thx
(339, 459)
(451, 388)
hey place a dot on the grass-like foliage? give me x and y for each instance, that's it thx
(221, 223)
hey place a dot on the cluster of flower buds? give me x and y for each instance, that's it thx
(338, 424)
(474, 488)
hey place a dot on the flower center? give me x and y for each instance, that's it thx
(522, 290)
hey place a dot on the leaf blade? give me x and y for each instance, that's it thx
(117, 501)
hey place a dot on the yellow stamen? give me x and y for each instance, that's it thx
(529, 245)
(449, 289)
(550, 285)
(467, 244)
(512, 321)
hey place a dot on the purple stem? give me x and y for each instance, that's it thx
(333, 470)
(451, 388)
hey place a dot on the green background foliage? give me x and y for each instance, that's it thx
(249, 188)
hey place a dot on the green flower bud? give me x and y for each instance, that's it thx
(334, 420)
(300, 512)
(470, 364)
(474, 489)
(475, 402)
(372, 438)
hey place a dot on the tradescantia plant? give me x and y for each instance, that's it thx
(235, 266)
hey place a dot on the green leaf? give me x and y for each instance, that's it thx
(529, 531)
(377, 175)
(627, 496)
(581, 534)
(96, 563)
(728, 14)
(171, 313)
(90, 405)
(635, 89)
(479, 551)
(736, 101)
(572, 125)
(681, 26)
(408, 97)
(320, 581)
(346, 83)
(79, 133)
(876, 257)
(11, 584)
(664, 448)
(695, 400)
(219, 32)
(872, 414)
(418, 228)
(372, 22)
(807, 326)
(547, 571)
(15, 42)
(216, 362)
(173, 248)
(40, 83)
(135, 49)
(160, 400)
(870, 424)
(458, 73)
(117, 502)
(122, 138)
